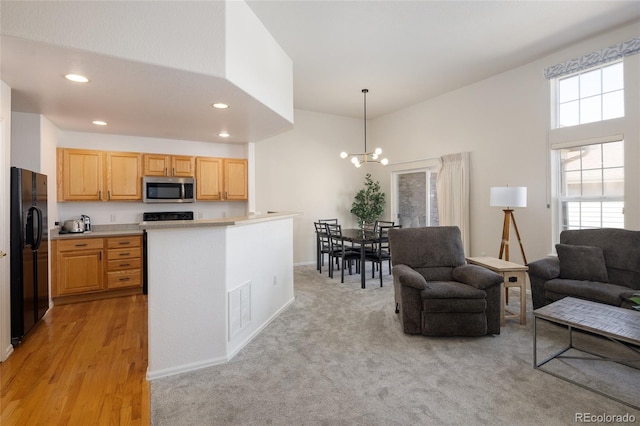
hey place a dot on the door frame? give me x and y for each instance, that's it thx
(5, 306)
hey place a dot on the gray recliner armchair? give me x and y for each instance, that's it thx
(436, 292)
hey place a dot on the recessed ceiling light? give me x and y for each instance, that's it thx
(220, 105)
(223, 134)
(77, 78)
(99, 122)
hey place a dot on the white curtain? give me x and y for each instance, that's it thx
(452, 186)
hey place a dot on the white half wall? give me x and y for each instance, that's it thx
(195, 274)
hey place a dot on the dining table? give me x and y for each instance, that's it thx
(362, 238)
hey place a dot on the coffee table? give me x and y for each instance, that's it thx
(616, 324)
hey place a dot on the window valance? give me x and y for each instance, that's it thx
(602, 56)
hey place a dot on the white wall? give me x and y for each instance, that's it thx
(301, 170)
(502, 121)
(5, 166)
(106, 213)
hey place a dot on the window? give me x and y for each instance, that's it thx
(415, 198)
(595, 94)
(591, 192)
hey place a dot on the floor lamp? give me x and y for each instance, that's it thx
(508, 197)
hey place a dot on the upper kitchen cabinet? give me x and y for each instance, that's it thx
(123, 175)
(209, 178)
(169, 165)
(87, 175)
(235, 179)
(221, 179)
(79, 175)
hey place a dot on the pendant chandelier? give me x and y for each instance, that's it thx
(366, 157)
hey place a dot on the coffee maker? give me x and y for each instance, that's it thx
(86, 220)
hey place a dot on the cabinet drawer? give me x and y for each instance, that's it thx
(120, 264)
(122, 242)
(127, 278)
(124, 253)
(80, 244)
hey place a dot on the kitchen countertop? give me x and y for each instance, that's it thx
(230, 221)
(99, 231)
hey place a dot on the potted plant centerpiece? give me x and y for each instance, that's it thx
(368, 204)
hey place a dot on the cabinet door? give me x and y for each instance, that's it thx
(80, 175)
(235, 179)
(183, 166)
(209, 178)
(156, 165)
(80, 272)
(124, 176)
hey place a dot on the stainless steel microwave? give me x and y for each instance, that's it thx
(168, 189)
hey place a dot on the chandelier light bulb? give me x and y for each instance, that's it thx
(357, 165)
(374, 156)
(354, 160)
(377, 152)
(384, 161)
(343, 155)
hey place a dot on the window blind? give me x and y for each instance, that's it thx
(598, 57)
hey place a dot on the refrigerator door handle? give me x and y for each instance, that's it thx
(38, 231)
(28, 232)
(33, 233)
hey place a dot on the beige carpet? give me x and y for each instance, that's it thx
(337, 356)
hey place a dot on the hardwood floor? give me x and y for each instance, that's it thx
(84, 363)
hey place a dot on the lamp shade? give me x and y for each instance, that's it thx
(508, 196)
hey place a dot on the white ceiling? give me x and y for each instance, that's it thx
(404, 52)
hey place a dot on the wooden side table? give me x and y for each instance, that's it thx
(514, 276)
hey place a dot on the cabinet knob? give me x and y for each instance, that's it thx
(2, 254)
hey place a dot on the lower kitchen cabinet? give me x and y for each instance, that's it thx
(96, 268)
(124, 266)
(80, 266)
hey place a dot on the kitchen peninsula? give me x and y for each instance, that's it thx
(213, 286)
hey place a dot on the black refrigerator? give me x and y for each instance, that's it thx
(29, 251)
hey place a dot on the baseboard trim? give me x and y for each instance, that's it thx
(7, 353)
(153, 375)
(259, 330)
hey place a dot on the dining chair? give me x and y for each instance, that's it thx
(322, 241)
(383, 250)
(374, 247)
(340, 251)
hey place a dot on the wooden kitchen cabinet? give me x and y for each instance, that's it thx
(79, 174)
(209, 178)
(124, 257)
(221, 179)
(88, 175)
(79, 266)
(123, 176)
(235, 179)
(169, 165)
(96, 268)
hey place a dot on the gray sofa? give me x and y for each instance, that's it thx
(602, 265)
(436, 292)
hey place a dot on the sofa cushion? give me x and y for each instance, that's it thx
(582, 263)
(621, 249)
(610, 294)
